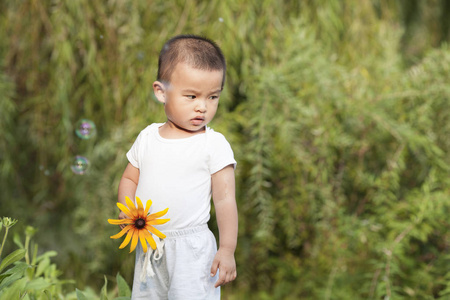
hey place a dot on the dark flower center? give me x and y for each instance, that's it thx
(139, 223)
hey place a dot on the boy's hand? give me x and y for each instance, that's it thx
(122, 215)
(224, 261)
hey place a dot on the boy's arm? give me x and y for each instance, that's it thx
(223, 192)
(127, 187)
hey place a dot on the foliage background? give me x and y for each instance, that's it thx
(338, 113)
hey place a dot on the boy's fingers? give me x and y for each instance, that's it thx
(230, 277)
(219, 282)
(122, 215)
(214, 267)
(225, 278)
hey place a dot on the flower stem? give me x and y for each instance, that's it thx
(27, 244)
(4, 240)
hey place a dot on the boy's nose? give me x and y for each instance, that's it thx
(201, 106)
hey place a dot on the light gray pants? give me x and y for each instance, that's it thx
(183, 272)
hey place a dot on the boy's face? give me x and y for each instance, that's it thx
(191, 98)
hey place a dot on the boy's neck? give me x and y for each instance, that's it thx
(171, 130)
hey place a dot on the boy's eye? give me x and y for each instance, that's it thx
(191, 97)
(214, 97)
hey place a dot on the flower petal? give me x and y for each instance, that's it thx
(130, 204)
(118, 222)
(127, 239)
(143, 241)
(122, 232)
(150, 239)
(157, 215)
(134, 241)
(125, 209)
(155, 231)
(140, 207)
(158, 221)
(147, 207)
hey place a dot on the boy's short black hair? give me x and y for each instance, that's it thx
(196, 51)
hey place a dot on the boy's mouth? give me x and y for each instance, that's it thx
(197, 120)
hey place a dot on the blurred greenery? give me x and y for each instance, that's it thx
(338, 113)
(35, 277)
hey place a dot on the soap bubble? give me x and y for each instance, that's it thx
(140, 55)
(85, 129)
(79, 165)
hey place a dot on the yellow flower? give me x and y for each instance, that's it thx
(139, 224)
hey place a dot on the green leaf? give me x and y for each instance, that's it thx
(80, 295)
(46, 255)
(37, 284)
(19, 268)
(122, 298)
(124, 289)
(42, 266)
(48, 294)
(13, 274)
(12, 258)
(18, 241)
(104, 291)
(10, 280)
(14, 291)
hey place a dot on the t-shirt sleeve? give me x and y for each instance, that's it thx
(221, 154)
(133, 154)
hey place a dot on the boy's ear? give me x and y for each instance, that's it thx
(160, 91)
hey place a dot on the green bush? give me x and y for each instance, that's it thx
(34, 277)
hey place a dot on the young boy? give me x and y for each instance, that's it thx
(180, 164)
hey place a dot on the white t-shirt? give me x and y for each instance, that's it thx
(176, 173)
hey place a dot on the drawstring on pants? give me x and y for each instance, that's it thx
(147, 270)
